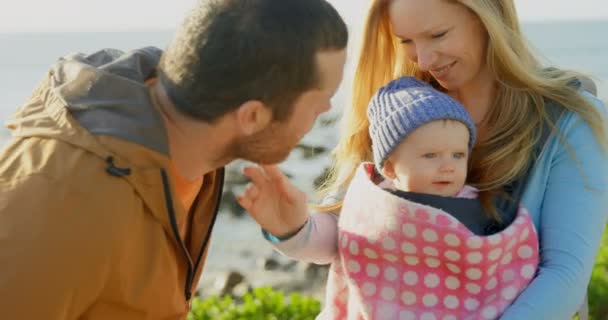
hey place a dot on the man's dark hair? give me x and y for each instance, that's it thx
(231, 51)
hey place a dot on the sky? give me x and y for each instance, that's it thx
(117, 15)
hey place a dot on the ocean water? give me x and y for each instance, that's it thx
(25, 58)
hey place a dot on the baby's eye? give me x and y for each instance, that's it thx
(429, 155)
(459, 155)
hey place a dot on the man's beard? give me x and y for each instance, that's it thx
(270, 146)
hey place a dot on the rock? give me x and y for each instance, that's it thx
(320, 179)
(314, 272)
(328, 122)
(241, 289)
(225, 283)
(268, 263)
(229, 204)
(310, 151)
(290, 266)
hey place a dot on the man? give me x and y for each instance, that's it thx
(110, 186)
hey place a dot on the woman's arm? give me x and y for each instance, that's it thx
(572, 219)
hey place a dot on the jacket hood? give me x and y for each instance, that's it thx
(104, 92)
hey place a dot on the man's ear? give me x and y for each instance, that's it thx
(388, 169)
(252, 116)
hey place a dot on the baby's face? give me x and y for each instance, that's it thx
(432, 159)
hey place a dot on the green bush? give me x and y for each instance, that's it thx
(598, 288)
(263, 303)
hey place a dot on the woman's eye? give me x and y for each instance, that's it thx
(439, 35)
(406, 41)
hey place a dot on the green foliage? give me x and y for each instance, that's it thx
(263, 303)
(598, 288)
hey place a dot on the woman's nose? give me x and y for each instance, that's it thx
(425, 57)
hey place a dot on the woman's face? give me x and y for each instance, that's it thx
(442, 38)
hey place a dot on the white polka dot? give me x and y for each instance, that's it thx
(527, 271)
(492, 269)
(508, 275)
(409, 230)
(353, 266)
(451, 240)
(386, 312)
(474, 242)
(428, 316)
(407, 315)
(388, 243)
(388, 293)
(524, 234)
(474, 257)
(473, 273)
(390, 274)
(495, 239)
(354, 247)
(449, 317)
(372, 270)
(410, 278)
(369, 308)
(431, 280)
(432, 262)
(390, 257)
(511, 244)
(495, 254)
(452, 283)
(452, 255)
(509, 293)
(370, 253)
(489, 312)
(408, 298)
(408, 247)
(368, 289)
(473, 288)
(490, 298)
(507, 258)
(492, 283)
(454, 268)
(411, 260)
(524, 252)
(471, 304)
(451, 302)
(430, 251)
(344, 240)
(430, 235)
(429, 300)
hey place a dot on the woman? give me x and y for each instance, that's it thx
(541, 138)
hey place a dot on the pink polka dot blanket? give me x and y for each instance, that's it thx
(403, 260)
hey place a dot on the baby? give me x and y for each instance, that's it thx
(421, 141)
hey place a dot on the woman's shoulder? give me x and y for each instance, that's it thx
(569, 120)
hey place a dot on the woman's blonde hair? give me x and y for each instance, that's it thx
(524, 87)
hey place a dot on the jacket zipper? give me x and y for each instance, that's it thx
(171, 212)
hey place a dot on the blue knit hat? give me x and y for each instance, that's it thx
(402, 106)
